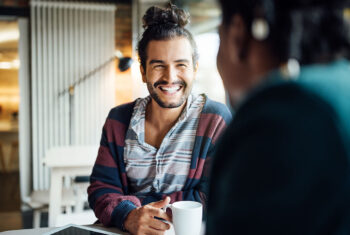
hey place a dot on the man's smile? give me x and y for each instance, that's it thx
(170, 89)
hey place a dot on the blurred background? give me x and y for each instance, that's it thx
(63, 66)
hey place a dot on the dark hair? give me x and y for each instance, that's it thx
(164, 24)
(310, 31)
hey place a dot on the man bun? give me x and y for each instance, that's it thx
(170, 16)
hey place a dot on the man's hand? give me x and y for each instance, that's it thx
(141, 220)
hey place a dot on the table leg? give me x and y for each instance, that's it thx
(55, 196)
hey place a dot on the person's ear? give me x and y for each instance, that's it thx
(238, 39)
(195, 69)
(143, 74)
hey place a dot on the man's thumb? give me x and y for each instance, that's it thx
(162, 203)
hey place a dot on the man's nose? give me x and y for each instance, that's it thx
(171, 74)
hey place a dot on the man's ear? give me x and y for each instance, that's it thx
(195, 67)
(143, 74)
(238, 39)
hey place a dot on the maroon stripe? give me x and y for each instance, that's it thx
(219, 130)
(104, 158)
(106, 204)
(210, 125)
(104, 208)
(124, 179)
(197, 172)
(174, 197)
(115, 132)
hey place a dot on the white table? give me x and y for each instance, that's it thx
(66, 161)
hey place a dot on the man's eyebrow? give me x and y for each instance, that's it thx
(156, 62)
(182, 61)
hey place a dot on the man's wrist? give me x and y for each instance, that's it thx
(128, 217)
(123, 227)
(121, 212)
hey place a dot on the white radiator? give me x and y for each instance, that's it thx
(68, 41)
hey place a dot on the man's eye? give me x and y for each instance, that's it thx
(158, 66)
(182, 65)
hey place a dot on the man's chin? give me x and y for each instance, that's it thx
(169, 105)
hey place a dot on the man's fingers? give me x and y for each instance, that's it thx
(161, 204)
(155, 212)
(158, 224)
(165, 216)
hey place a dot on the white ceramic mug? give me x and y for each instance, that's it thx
(187, 217)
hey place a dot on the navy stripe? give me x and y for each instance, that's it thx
(122, 113)
(98, 193)
(120, 212)
(105, 174)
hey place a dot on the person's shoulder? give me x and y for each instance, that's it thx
(216, 108)
(285, 102)
(290, 93)
(122, 113)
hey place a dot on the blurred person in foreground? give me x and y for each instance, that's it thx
(282, 165)
(157, 149)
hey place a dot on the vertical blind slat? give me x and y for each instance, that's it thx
(34, 97)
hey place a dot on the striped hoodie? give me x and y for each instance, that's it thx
(108, 192)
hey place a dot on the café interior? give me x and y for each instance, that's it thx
(63, 65)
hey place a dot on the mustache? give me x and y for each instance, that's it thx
(182, 83)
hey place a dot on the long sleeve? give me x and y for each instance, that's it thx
(108, 191)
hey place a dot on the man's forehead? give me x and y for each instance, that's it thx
(169, 50)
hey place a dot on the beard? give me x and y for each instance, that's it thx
(164, 104)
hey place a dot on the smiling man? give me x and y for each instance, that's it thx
(157, 150)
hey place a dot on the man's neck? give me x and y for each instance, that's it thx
(161, 118)
(159, 121)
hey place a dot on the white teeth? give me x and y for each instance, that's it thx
(170, 89)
